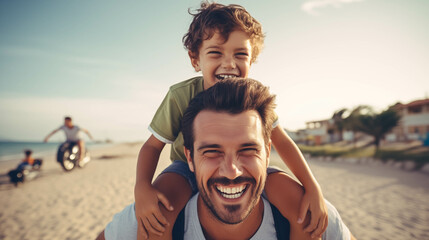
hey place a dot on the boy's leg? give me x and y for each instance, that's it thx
(178, 184)
(283, 192)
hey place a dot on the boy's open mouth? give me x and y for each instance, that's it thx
(225, 76)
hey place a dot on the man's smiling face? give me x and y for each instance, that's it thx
(229, 161)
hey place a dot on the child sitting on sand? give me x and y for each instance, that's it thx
(22, 170)
(27, 161)
(222, 42)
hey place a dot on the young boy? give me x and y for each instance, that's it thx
(222, 42)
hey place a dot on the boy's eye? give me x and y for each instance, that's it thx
(214, 52)
(242, 54)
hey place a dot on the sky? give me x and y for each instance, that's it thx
(109, 64)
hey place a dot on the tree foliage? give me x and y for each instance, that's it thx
(364, 119)
(378, 124)
(338, 122)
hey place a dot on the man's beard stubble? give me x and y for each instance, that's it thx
(232, 209)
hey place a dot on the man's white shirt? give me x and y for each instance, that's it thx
(72, 134)
(193, 228)
(124, 224)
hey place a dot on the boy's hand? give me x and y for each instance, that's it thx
(148, 214)
(314, 203)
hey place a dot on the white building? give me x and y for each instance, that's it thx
(414, 123)
(318, 131)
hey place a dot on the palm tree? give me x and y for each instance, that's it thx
(351, 122)
(338, 123)
(377, 124)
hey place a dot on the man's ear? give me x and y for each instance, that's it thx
(189, 158)
(194, 61)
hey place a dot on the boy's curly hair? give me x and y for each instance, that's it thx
(213, 17)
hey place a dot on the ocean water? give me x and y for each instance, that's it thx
(15, 150)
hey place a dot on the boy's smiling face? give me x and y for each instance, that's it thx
(218, 59)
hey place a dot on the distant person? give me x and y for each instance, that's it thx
(27, 161)
(72, 133)
(20, 173)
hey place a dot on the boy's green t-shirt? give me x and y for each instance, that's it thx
(166, 123)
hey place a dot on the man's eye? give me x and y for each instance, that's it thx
(249, 151)
(212, 154)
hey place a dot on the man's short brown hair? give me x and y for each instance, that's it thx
(231, 96)
(215, 17)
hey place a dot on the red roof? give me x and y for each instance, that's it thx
(417, 103)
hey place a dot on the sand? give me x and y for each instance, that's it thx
(376, 202)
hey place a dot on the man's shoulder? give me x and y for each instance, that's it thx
(276, 225)
(336, 227)
(187, 225)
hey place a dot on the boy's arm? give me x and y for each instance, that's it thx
(149, 216)
(313, 200)
(148, 160)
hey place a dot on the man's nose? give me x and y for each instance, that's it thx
(230, 168)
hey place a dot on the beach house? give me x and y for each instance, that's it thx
(414, 123)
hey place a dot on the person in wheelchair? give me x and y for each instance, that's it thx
(72, 133)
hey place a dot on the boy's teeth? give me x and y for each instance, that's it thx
(225, 76)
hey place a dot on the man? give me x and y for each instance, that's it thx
(72, 133)
(226, 132)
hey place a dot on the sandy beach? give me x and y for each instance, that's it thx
(376, 202)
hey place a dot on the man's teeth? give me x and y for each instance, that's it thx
(225, 76)
(231, 192)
